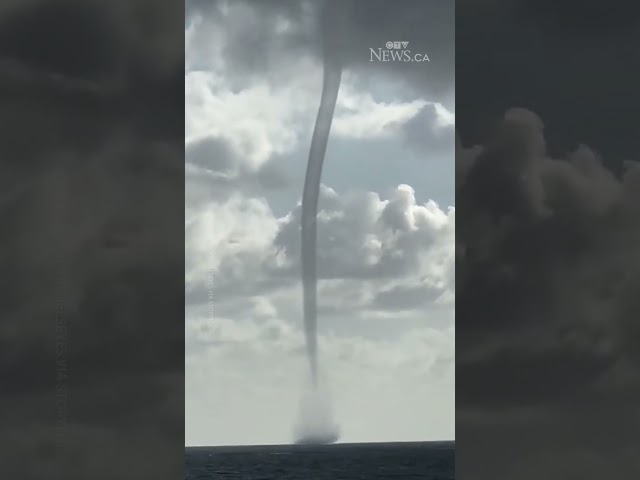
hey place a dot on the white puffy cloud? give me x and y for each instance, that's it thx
(361, 236)
(272, 119)
(257, 121)
(395, 250)
(359, 115)
(258, 117)
(225, 241)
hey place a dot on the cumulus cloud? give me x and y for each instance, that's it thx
(396, 245)
(548, 258)
(362, 235)
(239, 136)
(359, 115)
(265, 106)
(257, 121)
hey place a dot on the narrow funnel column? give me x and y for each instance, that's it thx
(330, 86)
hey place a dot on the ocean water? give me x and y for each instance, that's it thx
(365, 461)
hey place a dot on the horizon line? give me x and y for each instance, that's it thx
(336, 443)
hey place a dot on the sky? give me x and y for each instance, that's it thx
(386, 224)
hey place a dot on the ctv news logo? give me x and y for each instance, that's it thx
(396, 52)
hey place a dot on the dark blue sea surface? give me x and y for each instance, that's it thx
(348, 461)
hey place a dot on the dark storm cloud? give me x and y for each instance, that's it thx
(91, 249)
(214, 171)
(535, 254)
(407, 298)
(546, 298)
(212, 154)
(253, 47)
(425, 132)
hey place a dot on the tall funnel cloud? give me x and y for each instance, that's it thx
(334, 14)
